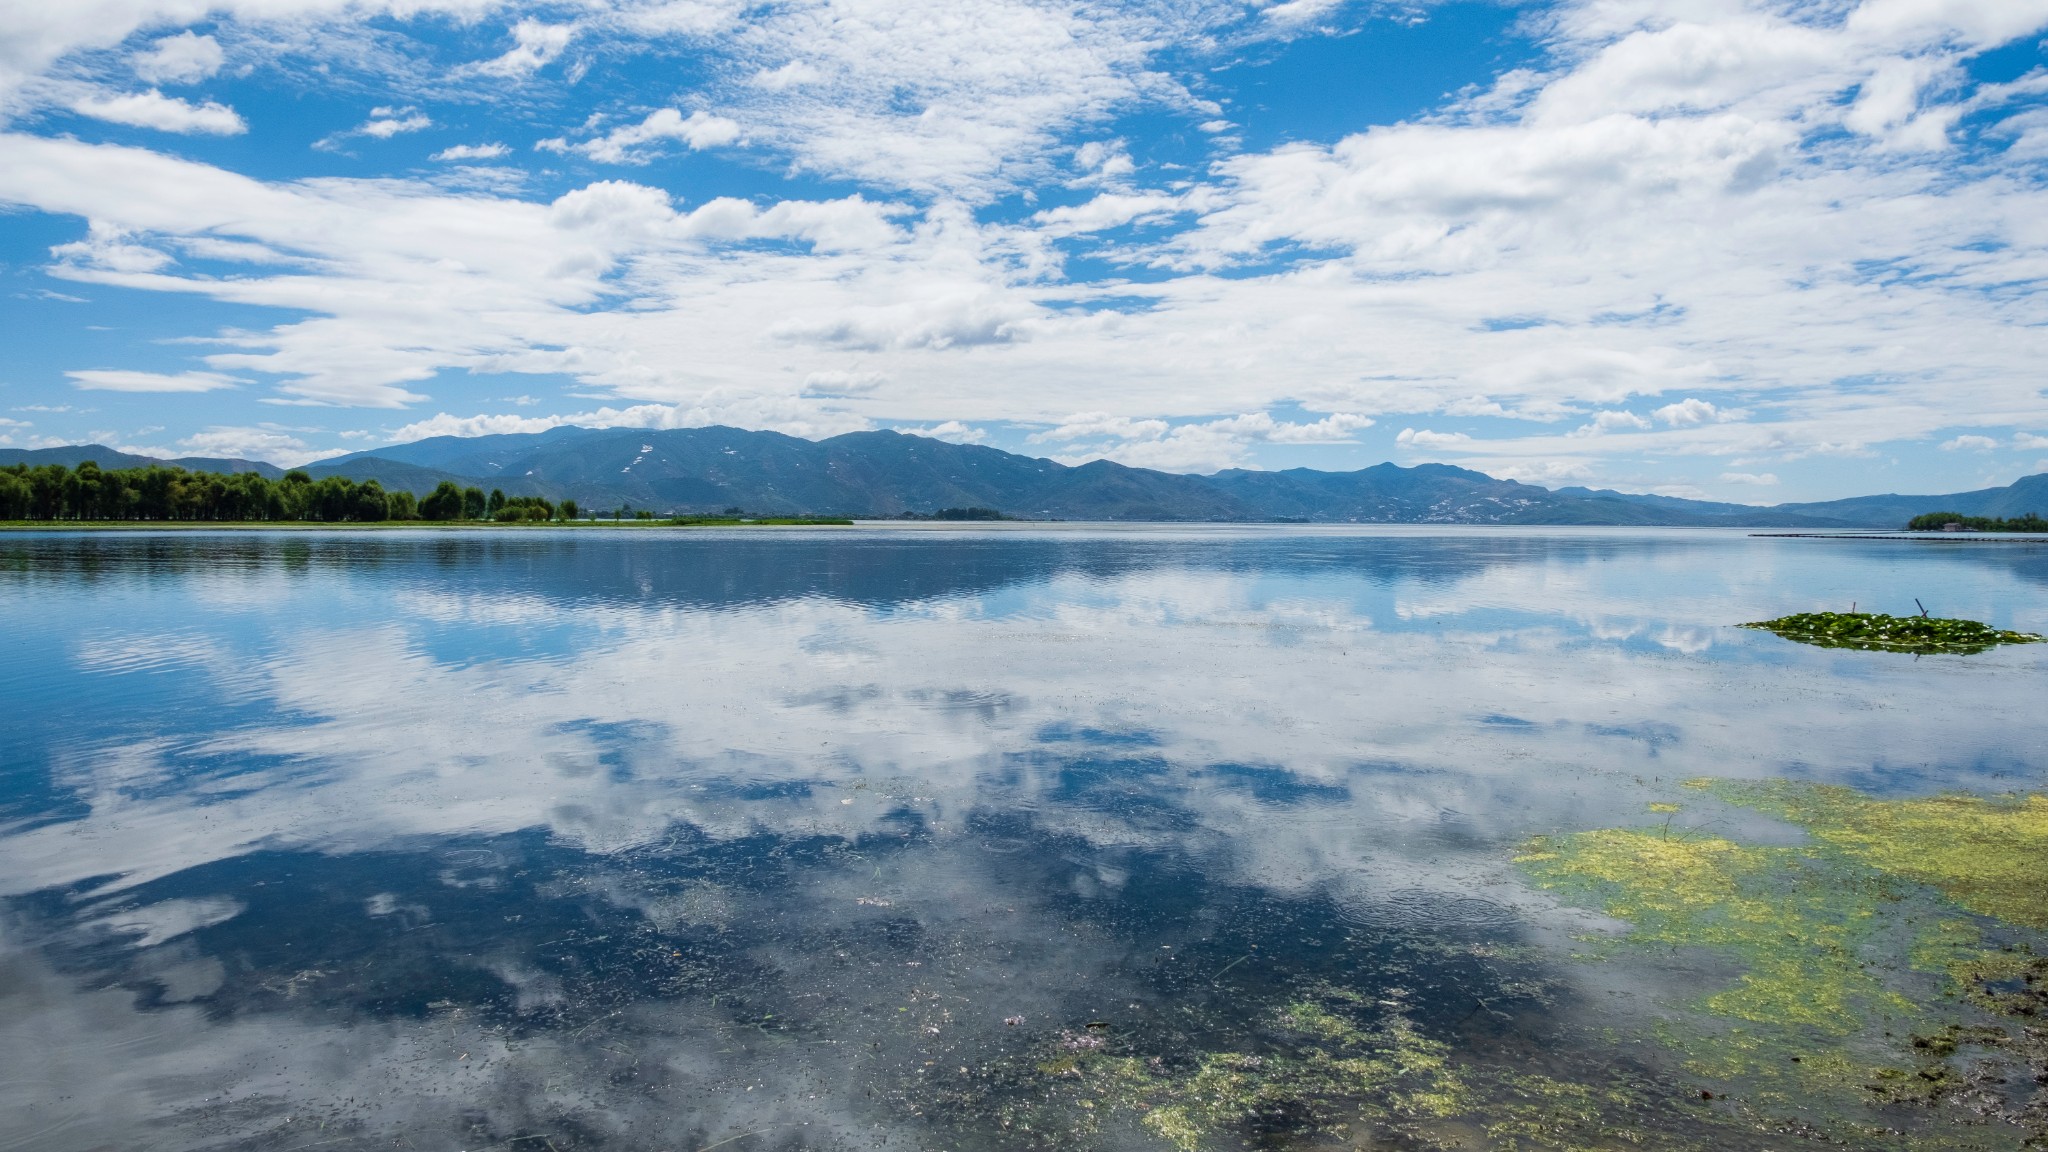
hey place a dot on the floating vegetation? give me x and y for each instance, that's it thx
(1334, 1063)
(1988, 854)
(1875, 631)
(1887, 962)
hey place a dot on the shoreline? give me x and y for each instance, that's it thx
(179, 526)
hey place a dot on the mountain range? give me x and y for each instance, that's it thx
(881, 474)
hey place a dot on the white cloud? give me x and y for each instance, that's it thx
(1763, 479)
(471, 152)
(842, 384)
(535, 46)
(1969, 443)
(267, 443)
(185, 58)
(384, 123)
(790, 75)
(1690, 412)
(1759, 203)
(936, 97)
(1204, 446)
(1106, 210)
(153, 109)
(112, 248)
(625, 144)
(1300, 11)
(2027, 441)
(1103, 160)
(122, 380)
(1090, 424)
(952, 431)
(794, 418)
(1424, 438)
(1605, 422)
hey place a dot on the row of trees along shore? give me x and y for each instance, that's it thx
(159, 492)
(1939, 521)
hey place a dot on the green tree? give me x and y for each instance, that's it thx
(371, 505)
(568, 509)
(473, 503)
(331, 500)
(443, 503)
(14, 496)
(296, 493)
(496, 503)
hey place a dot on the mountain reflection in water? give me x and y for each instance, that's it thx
(949, 840)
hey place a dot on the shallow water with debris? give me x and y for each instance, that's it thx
(1007, 839)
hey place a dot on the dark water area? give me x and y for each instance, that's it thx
(950, 840)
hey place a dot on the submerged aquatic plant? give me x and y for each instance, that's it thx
(1887, 961)
(1875, 631)
(1329, 1062)
(1988, 854)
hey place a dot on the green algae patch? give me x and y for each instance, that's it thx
(1877, 632)
(1887, 963)
(1332, 1065)
(1793, 922)
(1988, 854)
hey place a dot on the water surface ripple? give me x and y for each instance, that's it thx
(946, 840)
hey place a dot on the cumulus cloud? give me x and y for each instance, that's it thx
(790, 75)
(1193, 447)
(842, 384)
(1424, 438)
(153, 109)
(384, 123)
(952, 431)
(1778, 206)
(535, 46)
(1969, 443)
(628, 144)
(1106, 210)
(462, 152)
(185, 58)
(1086, 424)
(269, 443)
(1760, 479)
(1690, 412)
(123, 380)
(1604, 422)
(795, 418)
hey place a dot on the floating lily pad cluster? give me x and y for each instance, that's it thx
(1879, 632)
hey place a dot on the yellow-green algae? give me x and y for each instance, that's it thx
(1339, 1066)
(1988, 854)
(1840, 947)
(1875, 990)
(1793, 921)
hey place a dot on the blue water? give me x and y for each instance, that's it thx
(652, 839)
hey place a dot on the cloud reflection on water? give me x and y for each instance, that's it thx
(1354, 727)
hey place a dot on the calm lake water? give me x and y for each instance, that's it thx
(941, 840)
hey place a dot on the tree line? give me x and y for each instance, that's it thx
(164, 493)
(1937, 521)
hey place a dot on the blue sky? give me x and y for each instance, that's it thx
(1751, 251)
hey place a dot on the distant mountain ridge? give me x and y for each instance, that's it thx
(891, 473)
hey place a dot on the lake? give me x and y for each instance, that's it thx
(1013, 838)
